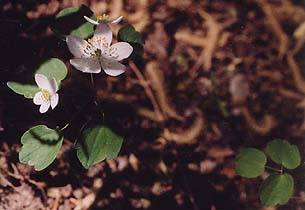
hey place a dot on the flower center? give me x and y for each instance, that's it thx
(45, 95)
(103, 17)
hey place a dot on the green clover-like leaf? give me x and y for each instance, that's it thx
(97, 144)
(40, 146)
(284, 153)
(70, 21)
(276, 189)
(28, 91)
(51, 68)
(129, 34)
(250, 163)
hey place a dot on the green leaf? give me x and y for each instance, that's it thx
(276, 189)
(284, 153)
(28, 91)
(40, 146)
(53, 68)
(250, 163)
(70, 21)
(129, 34)
(97, 144)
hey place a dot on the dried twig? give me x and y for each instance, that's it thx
(157, 82)
(276, 27)
(214, 30)
(263, 127)
(296, 73)
(189, 135)
(147, 90)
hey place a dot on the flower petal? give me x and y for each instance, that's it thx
(115, 21)
(102, 36)
(43, 82)
(87, 65)
(38, 98)
(54, 100)
(94, 22)
(77, 46)
(113, 68)
(44, 107)
(122, 49)
(54, 86)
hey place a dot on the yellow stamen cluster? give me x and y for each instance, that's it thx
(90, 40)
(103, 17)
(45, 95)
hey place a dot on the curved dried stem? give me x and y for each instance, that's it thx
(262, 127)
(188, 136)
(157, 82)
(147, 90)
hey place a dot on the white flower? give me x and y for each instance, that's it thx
(103, 18)
(47, 95)
(97, 52)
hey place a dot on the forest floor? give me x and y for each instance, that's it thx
(217, 76)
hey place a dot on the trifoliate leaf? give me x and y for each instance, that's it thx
(276, 189)
(70, 21)
(53, 68)
(250, 163)
(40, 146)
(284, 153)
(129, 34)
(28, 91)
(97, 144)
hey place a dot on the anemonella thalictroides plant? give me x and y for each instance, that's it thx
(90, 44)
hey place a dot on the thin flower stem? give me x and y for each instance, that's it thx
(92, 80)
(275, 169)
(63, 128)
(147, 90)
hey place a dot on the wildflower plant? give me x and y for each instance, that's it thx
(278, 187)
(89, 40)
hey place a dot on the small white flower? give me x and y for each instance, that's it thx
(47, 95)
(103, 18)
(97, 53)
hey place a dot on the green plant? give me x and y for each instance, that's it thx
(96, 142)
(279, 186)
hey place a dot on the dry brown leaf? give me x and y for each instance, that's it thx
(134, 162)
(220, 153)
(239, 89)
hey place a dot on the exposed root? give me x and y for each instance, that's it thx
(147, 90)
(263, 127)
(288, 11)
(191, 39)
(290, 94)
(156, 78)
(214, 30)
(188, 136)
(116, 8)
(140, 19)
(276, 27)
(296, 73)
(274, 75)
(299, 35)
(148, 114)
